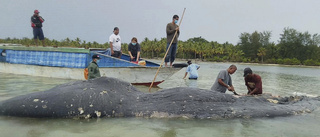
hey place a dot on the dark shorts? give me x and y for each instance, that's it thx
(193, 78)
(117, 54)
(38, 33)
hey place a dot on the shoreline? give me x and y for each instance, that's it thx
(179, 60)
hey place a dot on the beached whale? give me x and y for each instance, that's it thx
(112, 97)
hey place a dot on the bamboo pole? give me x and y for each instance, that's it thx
(167, 51)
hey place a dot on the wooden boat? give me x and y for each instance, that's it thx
(69, 63)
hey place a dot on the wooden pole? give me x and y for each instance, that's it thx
(167, 51)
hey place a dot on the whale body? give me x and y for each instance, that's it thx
(111, 97)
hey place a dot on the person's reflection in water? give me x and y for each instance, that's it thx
(192, 83)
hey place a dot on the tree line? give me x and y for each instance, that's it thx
(293, 48)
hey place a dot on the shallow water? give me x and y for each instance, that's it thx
(278, 80)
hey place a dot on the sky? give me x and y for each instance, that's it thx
(214, 20)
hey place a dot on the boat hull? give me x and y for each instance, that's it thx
(133, 75)
(69, 63)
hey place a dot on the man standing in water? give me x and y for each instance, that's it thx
(115, 43)
(36, 24)
(193, 70)
(93, 68)
(253, 82)
(172, 27)
(223, 81)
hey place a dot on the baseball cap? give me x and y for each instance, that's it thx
(95, 56)
(36, 11)
(247, 71)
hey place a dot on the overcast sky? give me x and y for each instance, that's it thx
(214, 20)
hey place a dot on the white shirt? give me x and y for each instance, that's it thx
(193, 70)
(116, 42)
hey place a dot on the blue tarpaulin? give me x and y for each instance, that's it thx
(76, 59)
(47, 58)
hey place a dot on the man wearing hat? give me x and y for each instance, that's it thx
(193, 70)
(36, 24)
(115, 43)
(253, 82)
(93, 68)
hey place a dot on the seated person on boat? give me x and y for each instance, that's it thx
(134, 50)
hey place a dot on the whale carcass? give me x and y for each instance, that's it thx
(111, 97)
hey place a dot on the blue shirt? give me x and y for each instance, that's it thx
(193, 70)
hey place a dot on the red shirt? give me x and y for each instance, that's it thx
(254, 82)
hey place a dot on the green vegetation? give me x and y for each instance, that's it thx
(294, 48)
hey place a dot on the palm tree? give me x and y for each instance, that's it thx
(220, 50)
(84, 44)
(238, 55)
(262, 52)
(145, 47)
(194, 49)
(230, 52)
(181, 49)
(78, 42)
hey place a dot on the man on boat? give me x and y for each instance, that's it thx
(36, 24)
(224, 81)
(115, 43)
(253, 82)
(193, 70)
(172, 27)
(93, 68)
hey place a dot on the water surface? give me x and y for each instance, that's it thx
(278, 80)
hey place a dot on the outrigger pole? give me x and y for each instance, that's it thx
(167, 51)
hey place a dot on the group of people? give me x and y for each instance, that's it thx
(115, 46)
(114, 39)
(134, 48)
(223, 81)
